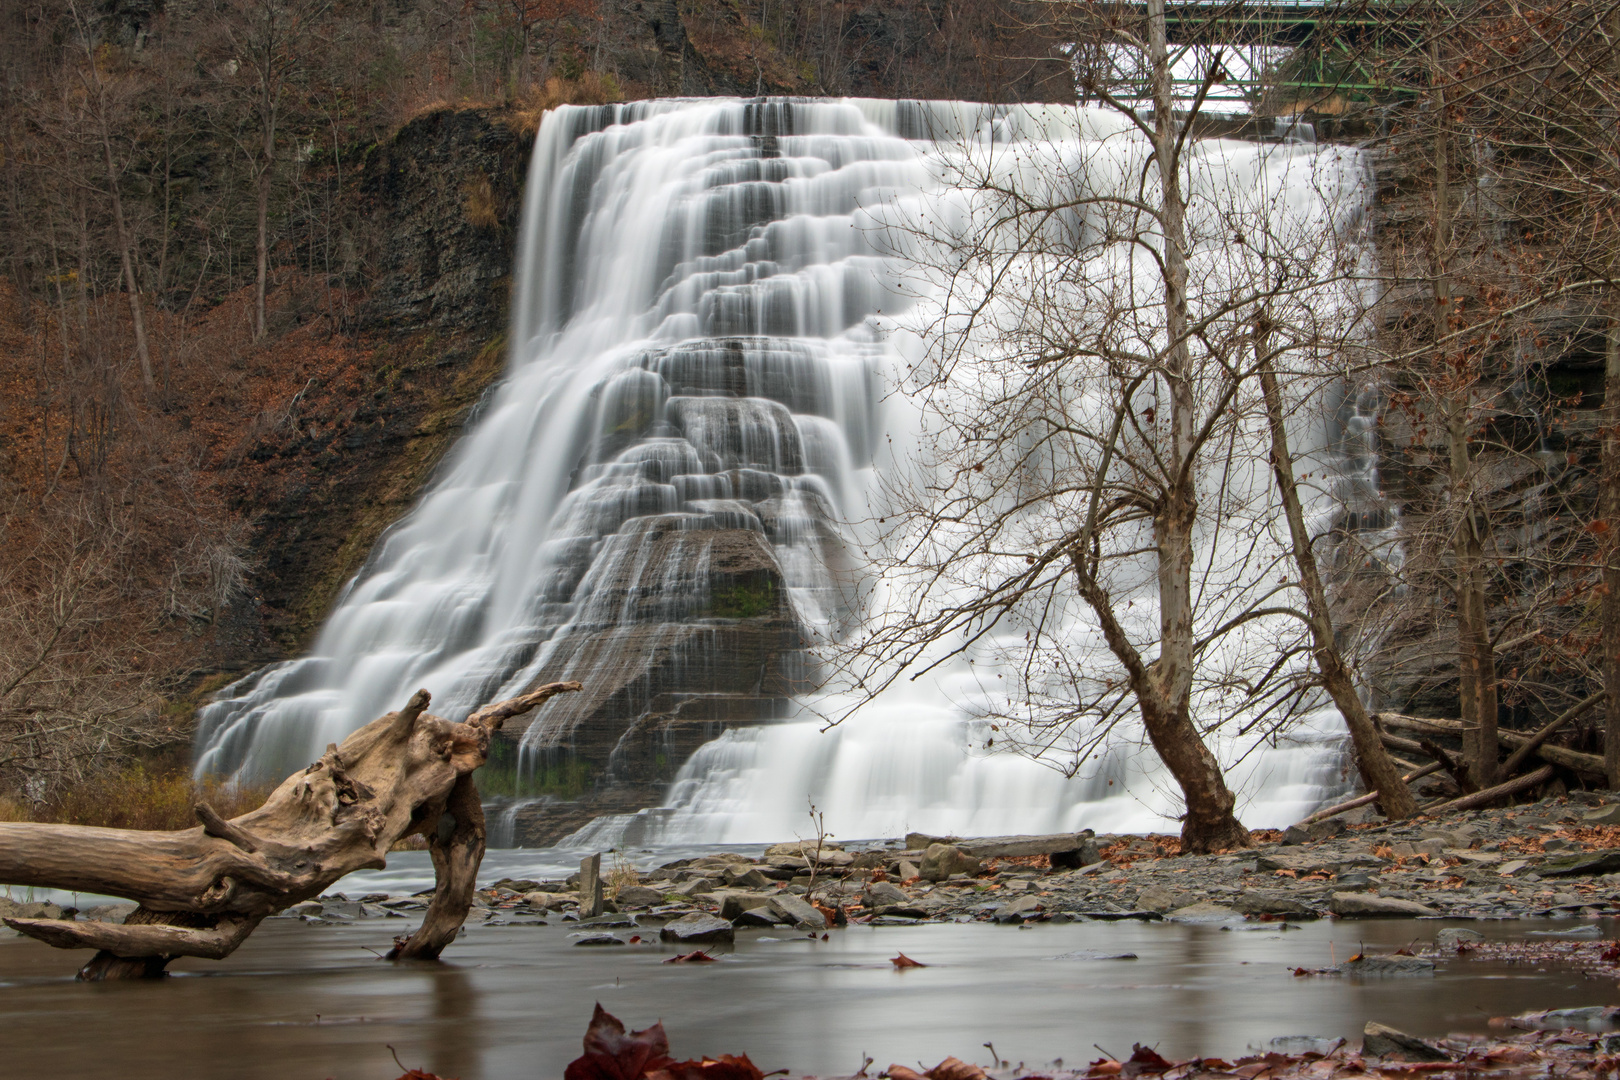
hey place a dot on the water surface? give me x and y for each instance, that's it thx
(301, 1001)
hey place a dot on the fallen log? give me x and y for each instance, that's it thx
(1489, 795)
(1533, 743)
(202, 891)
(1589, 764)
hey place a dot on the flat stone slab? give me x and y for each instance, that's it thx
(698, 929)
(987, 847)
(1389, 966)
(1602, 862)
(1366, 906)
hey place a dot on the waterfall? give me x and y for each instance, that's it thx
(706, 327)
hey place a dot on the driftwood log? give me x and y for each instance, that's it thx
(202, 891)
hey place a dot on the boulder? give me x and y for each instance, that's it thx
(698, 929)
(940, 861)
(746, 877)
(1157, 898)
(797, 911)
(1597, 862)
(1448, 939)
(803, 848)
(1380, 1040)
(14, 909)
(548, 900)
(906, 870)
(697, 887)
(882, 894)
(1203, 911)
(732, 905)
(638, 896)
(1349, 905)
(756, 917)
(1272, 902)
(600, 939)
(1603, 815)
(1024, 907)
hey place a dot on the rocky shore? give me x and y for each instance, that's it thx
(1558, 857)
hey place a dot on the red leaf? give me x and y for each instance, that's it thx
(903, 961)
(610, 1054)
(697, 956)
(1145, 1059)
(420, 1074)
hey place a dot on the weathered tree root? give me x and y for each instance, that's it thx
(202, 891)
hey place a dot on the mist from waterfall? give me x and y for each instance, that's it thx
(710, 320)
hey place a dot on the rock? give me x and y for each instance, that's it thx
(1203, 911)
(803, 848)
(1351, 905)
(940, 861)
(882, 894)
(309, 908)
(1591, 1018)
(548, 900)
(732, 905)
(1353, 879)
(638, 896)
(1272, 902)
(698, 929)
(1388, 966)
(1448, 939)
(1157, 898)
(1604, 815)
(1018, 910)
(599, 939)
(1432, 848)
(1379, 1040)
(797, 911)
(906, 870)
(1597, 862)
(746, 877)
(1298, 862)
(697, 887)
(753, 917)
(13, 909)
(117, 913)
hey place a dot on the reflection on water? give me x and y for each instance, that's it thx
(299, 1001)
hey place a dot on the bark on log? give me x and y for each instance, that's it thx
(201, 891)
(1533, 744)
(1590, 764)
(1491, 794)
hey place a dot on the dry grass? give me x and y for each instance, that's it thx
(590, 88)
(621, 875)
(135, 798)
(481, 208)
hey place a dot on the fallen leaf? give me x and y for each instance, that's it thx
(611, 1054)
(900, 1072)
(697, 956)
(903, 961)
(1104, 1067)
(1145, 1059)
(955, 1069)
(725, 1067)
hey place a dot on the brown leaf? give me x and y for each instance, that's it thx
(725, 1067)
(955, 1069)
(697, 956)
(903, 961)
(611, 1054)
(900, 1072)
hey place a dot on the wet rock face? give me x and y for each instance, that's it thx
(446, 193)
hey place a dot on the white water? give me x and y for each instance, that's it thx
(663, 241)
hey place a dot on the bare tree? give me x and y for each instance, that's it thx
(1097, 437)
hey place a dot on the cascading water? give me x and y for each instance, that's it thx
(704, 330)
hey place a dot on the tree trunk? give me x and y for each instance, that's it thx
(126, 258)
(201, 891)
(262, 241)
(1476, 669)
(1609, 514)
(1378, 772)
(1210, 824)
